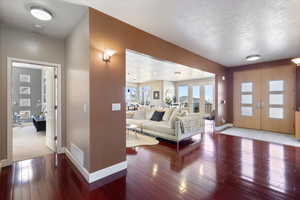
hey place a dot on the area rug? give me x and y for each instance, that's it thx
(133, 140)
(266, 136)
(28, 144)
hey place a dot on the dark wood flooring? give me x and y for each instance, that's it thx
(216, 167)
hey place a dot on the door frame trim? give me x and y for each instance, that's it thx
(10, 60)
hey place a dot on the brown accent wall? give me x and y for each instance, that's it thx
(107, 82)
(229, 81)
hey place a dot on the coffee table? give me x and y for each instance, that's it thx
(132, 127)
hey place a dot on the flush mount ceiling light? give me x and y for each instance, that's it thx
(177, 73)
(253, 57)
(41, 13)
(296, 61)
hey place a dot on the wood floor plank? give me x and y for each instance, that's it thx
(214, 167)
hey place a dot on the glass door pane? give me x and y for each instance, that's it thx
(183, 95)
(196, 98)
(246, 99)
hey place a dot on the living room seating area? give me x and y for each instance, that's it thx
(175, 125)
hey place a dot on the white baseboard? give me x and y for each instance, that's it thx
(95, 176)
(60, 150)
(100, 174)
(81, 169)
(4, 163)
(225, 126)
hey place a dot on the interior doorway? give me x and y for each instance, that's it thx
(33, 112)
(265, 99)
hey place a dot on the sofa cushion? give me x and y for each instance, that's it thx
(161, 127)
(173, 118)
(149, 112)
(139, 114)
(138, 122)
(157, 116)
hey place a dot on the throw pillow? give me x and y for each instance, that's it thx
(167, 115)
(157, 116)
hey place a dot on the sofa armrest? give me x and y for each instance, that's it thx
(188, 125)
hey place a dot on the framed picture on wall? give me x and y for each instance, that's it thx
(25, 90)
(156, 95)
(25, 78)
(25, 102)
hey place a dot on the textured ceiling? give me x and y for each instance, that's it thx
(16, 13)
(225, 31)
(142, 68)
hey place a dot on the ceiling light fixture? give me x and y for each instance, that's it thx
(296, 61)
(177, 73)
(41, 13)
(253, 57)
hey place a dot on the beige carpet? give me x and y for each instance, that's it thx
(27, 143)
(133, 140)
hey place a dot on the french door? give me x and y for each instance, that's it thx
(265, 98)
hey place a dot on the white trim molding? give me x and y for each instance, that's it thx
(223, 127)
(4, 163)
(10, 60)
(100, 174)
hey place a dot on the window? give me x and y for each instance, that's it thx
(276, 99)
(246, 87)
(246, 111)
(145, 95)
(196, 98)
(208, 94)
(246, 99)
(131, 95)
(276, 86)
(183, 93)
(276, 113)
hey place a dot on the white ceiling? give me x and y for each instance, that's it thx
(66, 15)
(142, 68)
(225, 31)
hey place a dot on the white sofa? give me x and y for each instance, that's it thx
(176, 126)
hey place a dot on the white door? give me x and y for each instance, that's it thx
(50, 106)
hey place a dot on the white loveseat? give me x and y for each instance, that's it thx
(175, 126)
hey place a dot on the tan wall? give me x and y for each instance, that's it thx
(107, 82)
(77, 54)
(26, 45)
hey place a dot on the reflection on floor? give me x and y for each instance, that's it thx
(27, 143)
(261, 135)
(216, 166)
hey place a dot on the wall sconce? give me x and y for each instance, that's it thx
(223, 78)
(107, 54)
(296, 61)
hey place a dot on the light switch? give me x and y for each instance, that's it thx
(84, 108)
(116, 107)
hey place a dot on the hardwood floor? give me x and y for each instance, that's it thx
(216, 167)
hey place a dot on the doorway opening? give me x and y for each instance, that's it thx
(33, 111)
(182, 96)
